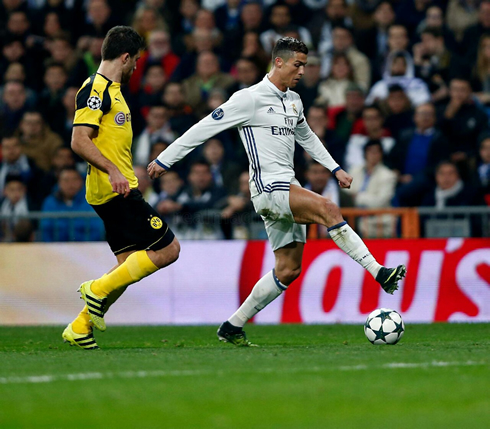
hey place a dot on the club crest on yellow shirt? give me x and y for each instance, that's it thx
(156, 222)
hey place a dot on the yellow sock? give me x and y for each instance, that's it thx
(82, 325)
(137, 266)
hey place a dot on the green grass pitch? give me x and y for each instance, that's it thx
(316, 376)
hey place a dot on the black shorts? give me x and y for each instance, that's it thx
(132, 224)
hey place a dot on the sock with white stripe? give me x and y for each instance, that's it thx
(346, 238)
(266, 290)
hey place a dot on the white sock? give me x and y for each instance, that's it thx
(346, 238)
(266, 290)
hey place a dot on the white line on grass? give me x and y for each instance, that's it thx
(50, 378)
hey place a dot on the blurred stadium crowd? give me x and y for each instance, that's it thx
(398, 91)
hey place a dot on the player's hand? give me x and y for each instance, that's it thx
(119, 183)
(344, 179)
(154, 170)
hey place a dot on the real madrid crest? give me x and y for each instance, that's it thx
(294, 108)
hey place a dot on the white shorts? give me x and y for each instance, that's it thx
(274, 209)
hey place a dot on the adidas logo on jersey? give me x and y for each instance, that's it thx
(271, 110)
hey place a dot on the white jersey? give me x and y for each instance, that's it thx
(269, 121)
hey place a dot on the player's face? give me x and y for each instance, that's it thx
(293, 69)
(129, 68)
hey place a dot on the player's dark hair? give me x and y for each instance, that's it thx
(286, 46)
(121, 40)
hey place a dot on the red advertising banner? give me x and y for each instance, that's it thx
(447, 280)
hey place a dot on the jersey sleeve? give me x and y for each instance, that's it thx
(312, 144)
(91, 103)
(237, 111)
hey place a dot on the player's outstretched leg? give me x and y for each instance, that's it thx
(308, 207)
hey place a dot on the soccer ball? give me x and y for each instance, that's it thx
(384, 326)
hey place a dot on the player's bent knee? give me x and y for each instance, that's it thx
(168, 255)
(288, 275)
(331, 212)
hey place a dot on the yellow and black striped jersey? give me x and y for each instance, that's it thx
(101, 105)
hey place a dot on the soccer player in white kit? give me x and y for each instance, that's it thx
(270, 118)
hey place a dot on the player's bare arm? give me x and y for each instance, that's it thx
(83, 146)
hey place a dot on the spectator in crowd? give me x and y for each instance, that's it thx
(319, 124)
(15, 163)
(14, 203)
(70, 198)
(449, 189)
(481, 72)
(252, 49)
(462, 121)
(412, 13)
(482, 176)
(416, 155)
(148, 20)
(251, 17)
(343, 43)
(397, 110)
(38, 141)
(460, 15)
(247, 74)
(434, 63)
(383, 17)
(280, 20)
(18, 25)
(99, 19)
(228, 16)
(400, 71)
(13, 106)
(159, 53)
(332, 90)
(151, 90)
(207, 77)
(307, 87)
(374, 183)
(322, 25)
(202, 41)
(469, 45)
(144, 185)
(50, 100)
(225, 172)
(398, 40)
(237, 215)
(63, 158)
(14, 51)
(90, 59)
(157, 128)
(16, 73)
(434, 19)
(64, 129)
(171, 186)
(373, 122)
(181, 116)
(374, 188)
(62, 52)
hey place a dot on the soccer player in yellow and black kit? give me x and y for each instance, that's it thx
(102, 135)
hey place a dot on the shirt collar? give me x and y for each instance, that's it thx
(274, 88)
(427, 132)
